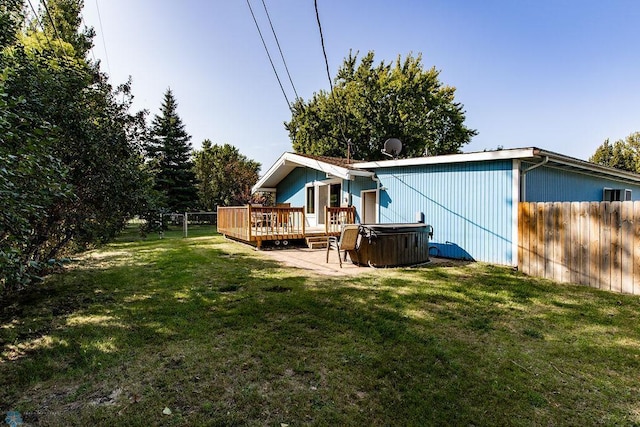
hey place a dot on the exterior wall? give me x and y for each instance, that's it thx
(357, 186)
(546, 184)
(470, 206)
(291, 189)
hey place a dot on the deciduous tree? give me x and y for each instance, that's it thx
(225, 176)
(371, 103)
(70, 156)
(623, 154)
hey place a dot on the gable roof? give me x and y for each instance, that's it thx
(332, 166)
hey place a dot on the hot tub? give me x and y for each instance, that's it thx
(392, 245)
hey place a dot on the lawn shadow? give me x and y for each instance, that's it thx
(117, 303)
(223, 336)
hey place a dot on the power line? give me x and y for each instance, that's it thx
(315, 2)
(93, 55)
(278, 43)
(341, 113)
(104, 44)
(267, 50)
(37, 17)
(46, 8)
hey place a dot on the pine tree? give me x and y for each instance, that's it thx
(169, 150)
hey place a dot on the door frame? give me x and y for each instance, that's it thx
(363, 205)
(317, 218)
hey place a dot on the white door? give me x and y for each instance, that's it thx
(319, 195)
(323, 201)
(310, 203)
(369, 204)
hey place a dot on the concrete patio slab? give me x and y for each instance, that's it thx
(315, 260)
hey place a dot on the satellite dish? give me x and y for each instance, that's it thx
(392, 147)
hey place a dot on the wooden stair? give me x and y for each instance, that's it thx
(316, 242)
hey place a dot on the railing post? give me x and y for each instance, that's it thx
(248, 223)
(327, 220)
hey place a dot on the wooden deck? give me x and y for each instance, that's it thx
(257, 224)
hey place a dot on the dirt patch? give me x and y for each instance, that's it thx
(278, 289)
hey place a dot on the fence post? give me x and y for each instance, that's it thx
(185, 221)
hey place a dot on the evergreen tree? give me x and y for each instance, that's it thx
(169, 150)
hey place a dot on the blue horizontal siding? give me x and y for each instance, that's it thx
(546, 184)
(468, 204)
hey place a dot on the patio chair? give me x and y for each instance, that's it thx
(348, 241)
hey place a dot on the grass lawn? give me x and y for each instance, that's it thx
(203, 331)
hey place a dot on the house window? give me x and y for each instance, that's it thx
(334, 195)
(311, 200)
(616, 195)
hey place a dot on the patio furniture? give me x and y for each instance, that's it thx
(348, 241)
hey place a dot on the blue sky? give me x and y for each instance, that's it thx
(562, 75)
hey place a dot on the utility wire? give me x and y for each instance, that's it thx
(93, 55)
(37, 17)
(104, 44)
(53, 24)
(267, 50)
(343, 123)
(315, 2)
(278, 43)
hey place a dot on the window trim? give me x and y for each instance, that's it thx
(616, 194)
(310, 205)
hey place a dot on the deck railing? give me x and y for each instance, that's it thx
(335, 218)
(261, 223)
(276, 221)
(257, 223)
(233, 221)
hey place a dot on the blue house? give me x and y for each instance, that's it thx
(470, 199)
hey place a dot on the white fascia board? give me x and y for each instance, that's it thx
(531, 153)
(291, 160)
(278, 163)
(593, 167)
(520, 153)
(333, 170)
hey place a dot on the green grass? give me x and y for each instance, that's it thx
(222, 335)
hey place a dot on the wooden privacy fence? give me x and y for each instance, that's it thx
(589, 243)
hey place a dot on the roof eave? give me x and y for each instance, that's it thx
(532, 154)
(519, 153)
(593, 167)
(292, 160)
